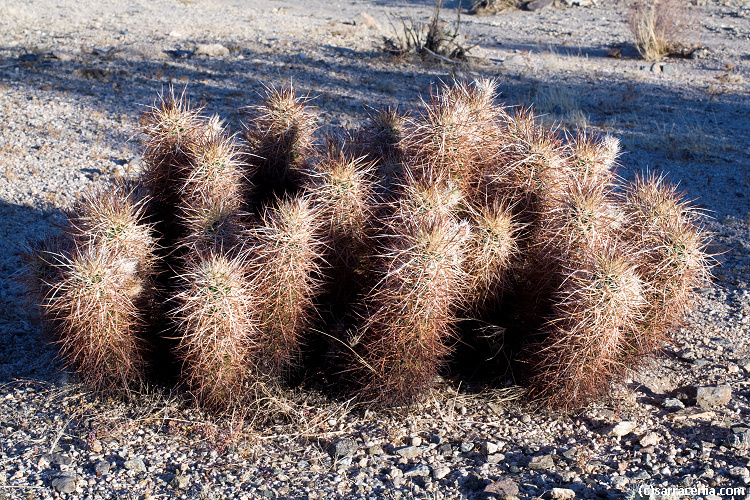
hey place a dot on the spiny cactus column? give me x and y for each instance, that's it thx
(287, 253)
(409, 331)
(98, 289)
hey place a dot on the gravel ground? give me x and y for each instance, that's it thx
(74, 77)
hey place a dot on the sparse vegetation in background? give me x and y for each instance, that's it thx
(489, 7)
(373, 245)
(436, 40)
(660, 27)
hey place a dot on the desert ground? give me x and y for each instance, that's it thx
(76, 75)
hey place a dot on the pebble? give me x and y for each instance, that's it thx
(621, 429)
(64, 482)
(673, 404)
(535, 5)
(375, 450)
(421, 470)
(711, 396)
(744, 363)
(495, 458)
(96, 446)
(101, 467)
(211, 50)
(410, 452)
(416, 441)
(562, 493)
(345, 447)
(542, 462)
(440, 472)
(650, 439)
(466, 447)
(179, 482)
(490, 448)
(503, 488)
(135, 464)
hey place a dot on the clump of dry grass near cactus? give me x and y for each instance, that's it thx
(660, 27)
(435, 40)
(280, 137)
(216, 314)
(96, 288)
(287, 255)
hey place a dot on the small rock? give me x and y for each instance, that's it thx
(710, 396)
(700, 53)
(739, 440)
(96, 446)
(60, 460)
(744, 363)
(64, 482)
(642, 476)
(620, 482)
(440, 472)
(101, 467)
(526, 419)
(570, 454)
(466, 447)
(179, 482)
(621, 429)
(366, 21)
(504, 488)
(62, 55)
(136, 464)
(538, 5)
(175, 34)
(490, 448)
(410, 452)
(416, 441)
(375, 450)
(345, 447)
(211, 50)
(667, 69)
(656, 67)
(445, 449)
(562, 493)
(650, 439)
(420, 470)
(542, 462)
(739, 472)
(495, 458)
(673, 404)
(700, 363)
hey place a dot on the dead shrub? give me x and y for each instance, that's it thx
(660, 27)
(435, 40)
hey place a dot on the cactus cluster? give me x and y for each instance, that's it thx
(253, 250)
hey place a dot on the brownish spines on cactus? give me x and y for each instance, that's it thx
(408, 332)
(98, 322)
(215, 314)
(672, 251)
(491, 249)
(280, 139)
(169, 126)
(597, 314)
(287, 254)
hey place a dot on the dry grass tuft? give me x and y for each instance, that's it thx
(435, 40)
(660, 27)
